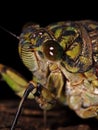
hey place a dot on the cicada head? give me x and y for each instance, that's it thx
(37, 47)
(68, 43)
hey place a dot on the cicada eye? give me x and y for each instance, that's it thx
(52, 50)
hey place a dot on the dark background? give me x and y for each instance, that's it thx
(13, 15)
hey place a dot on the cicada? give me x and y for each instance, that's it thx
(63, 60)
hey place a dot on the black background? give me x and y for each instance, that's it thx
(14, 14)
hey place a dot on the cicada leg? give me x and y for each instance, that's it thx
(24, 89)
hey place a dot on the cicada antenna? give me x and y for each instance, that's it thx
(14, 35)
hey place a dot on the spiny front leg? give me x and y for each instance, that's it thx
(18, 84)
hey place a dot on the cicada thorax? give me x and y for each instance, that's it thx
(79, 41)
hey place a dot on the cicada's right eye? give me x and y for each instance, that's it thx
(52, 50)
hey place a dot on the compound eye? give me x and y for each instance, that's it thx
(52, 50)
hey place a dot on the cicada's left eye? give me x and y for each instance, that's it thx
(52, 50)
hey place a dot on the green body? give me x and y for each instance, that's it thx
(63, 58)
